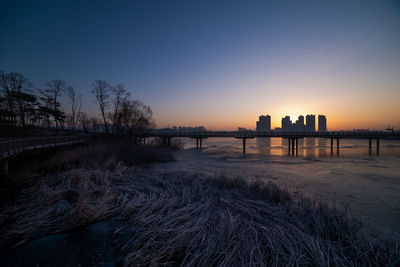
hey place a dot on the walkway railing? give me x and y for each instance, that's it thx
(252, 134)
(12, 146)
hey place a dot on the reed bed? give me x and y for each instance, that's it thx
(181, 218)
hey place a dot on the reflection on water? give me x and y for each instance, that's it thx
(307, 147)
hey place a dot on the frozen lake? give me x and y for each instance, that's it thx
(368, 184)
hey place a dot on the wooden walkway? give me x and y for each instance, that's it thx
(13, 146)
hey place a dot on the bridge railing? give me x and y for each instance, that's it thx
(9, 147)
(364, 134)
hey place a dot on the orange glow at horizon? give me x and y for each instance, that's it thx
(334, 123)
(321, 84)
(348, 116)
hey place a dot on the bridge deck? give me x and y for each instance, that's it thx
(11, 147)
(252, 134)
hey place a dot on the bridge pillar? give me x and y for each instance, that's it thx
(377, 146)
(297, 145)
(337, 146)
(199, 142)
(244, 145)
(144, 140)
(370, 146)
(289, 146)
(331, 146)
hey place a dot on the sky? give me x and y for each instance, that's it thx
(219, 64)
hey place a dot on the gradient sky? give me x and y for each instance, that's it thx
(218, 63)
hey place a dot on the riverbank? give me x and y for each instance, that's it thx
(179, 217)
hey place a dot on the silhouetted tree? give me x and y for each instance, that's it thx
(20, 106)
(119, 96)
(54, 90)
(7, 101)
(19, 92)
(17, 102)
(83, 121)
(76, 105)
(135, 117)
(101, 90)
(45, 109)
(95, 123)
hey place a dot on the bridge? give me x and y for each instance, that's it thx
(11, 147)
(291, 136)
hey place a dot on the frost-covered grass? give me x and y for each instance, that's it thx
(179, 218)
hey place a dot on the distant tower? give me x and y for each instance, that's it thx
(286, 124)
(264, 123)
(321, 123)
(310, 123)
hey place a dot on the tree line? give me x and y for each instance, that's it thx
(25, 108)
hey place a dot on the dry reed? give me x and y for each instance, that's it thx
(180, 218)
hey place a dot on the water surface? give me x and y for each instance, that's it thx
(368, 184)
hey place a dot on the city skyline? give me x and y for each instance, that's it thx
(198, 64)
(300, 125)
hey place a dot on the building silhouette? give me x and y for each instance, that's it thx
(299, 125)
(264, 123)
(286, 124)
(321, 123)
(310, 123)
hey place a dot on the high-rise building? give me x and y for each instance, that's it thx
(264, 123)
(299, 125)
(286, 124)
(321, 123)
(310, 123)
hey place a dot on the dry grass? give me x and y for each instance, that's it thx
(95, 154)
(189, 219)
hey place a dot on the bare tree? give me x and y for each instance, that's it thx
(55, 89)
(119, 95)
(135, 117)
(45, 109)
(76, 105)
(17, 101)
(83, 121)
(6, 97)
(95, 123)
(101, 90)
